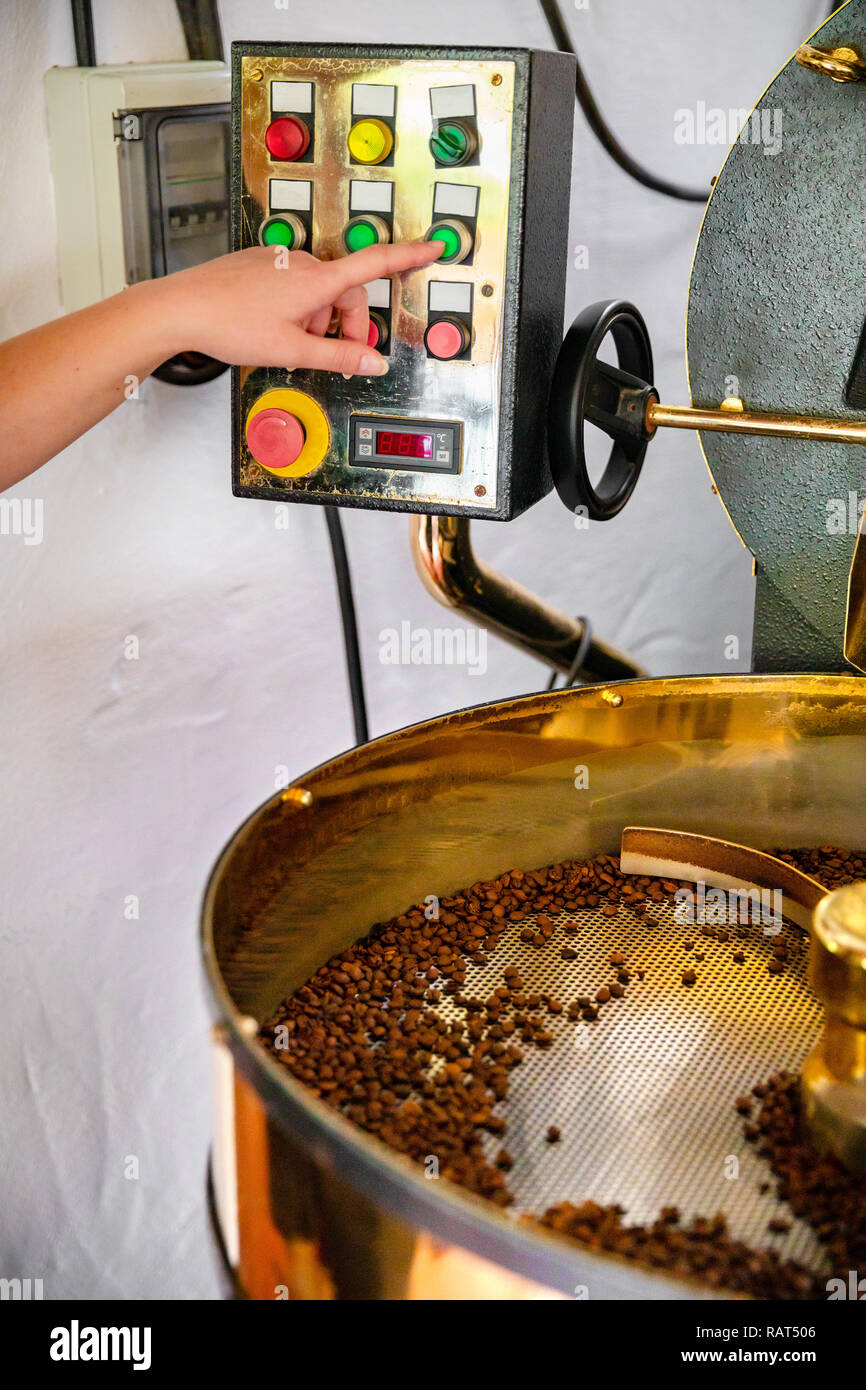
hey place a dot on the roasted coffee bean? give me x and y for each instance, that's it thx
(704, 1248)
(428, 1069)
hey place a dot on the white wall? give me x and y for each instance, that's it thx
(125, 777)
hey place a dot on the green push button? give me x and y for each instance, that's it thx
(450, 144)
(451, 241)
(278, 233)
(360, 235)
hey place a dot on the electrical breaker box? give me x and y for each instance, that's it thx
(140, 165)
(340, 147)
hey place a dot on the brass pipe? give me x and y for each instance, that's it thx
(452, 574)
(733, 418)
(840, 64)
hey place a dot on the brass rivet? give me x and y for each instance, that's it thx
(480, 491)
(297, 796)
(610, 697)
(487, 290)
(496, 79)
(255, 74)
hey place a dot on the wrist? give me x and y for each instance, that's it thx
(161, 328)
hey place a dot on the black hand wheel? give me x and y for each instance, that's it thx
(614, 399)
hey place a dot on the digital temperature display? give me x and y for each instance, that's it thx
(407, 446)
(404, 445)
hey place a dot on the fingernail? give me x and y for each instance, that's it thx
(372, 364)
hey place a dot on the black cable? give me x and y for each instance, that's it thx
(82, 28)
(350, 624)
(201, 28)
(579, 657)
(598, 125)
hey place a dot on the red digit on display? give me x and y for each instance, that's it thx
(416, 446)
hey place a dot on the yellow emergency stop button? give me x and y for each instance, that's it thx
(292, 436)
(370, 141)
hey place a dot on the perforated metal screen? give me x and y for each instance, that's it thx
(645, 1096)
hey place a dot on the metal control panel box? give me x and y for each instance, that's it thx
(340, 147)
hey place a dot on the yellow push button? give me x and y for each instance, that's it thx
(370, 141)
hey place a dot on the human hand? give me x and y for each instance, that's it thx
(266, 307)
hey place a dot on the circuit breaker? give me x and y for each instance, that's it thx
(342, 147)
(140, 164)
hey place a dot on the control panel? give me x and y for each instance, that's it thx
(340, 148)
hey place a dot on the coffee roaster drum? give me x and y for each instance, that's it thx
(306, 1205)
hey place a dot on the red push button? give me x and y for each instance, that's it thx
(377, 336)
(275, 438)
(287, 138)
(446, 339)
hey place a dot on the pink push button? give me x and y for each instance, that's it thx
(275, 438)
(446, 339)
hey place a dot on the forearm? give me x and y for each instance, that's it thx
(60, 379)
(249, 306)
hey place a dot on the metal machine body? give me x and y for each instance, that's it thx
(462, 435)
(776, 316)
